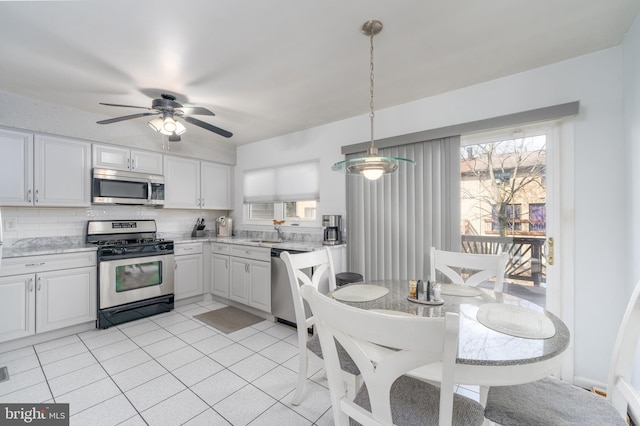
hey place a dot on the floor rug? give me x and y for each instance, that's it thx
(228, 319)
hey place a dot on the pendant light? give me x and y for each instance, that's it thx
(372, 166)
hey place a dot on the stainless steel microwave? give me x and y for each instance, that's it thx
(120, 187)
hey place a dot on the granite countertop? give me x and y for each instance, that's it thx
(58, 245)
(43, 248)
(284, 245)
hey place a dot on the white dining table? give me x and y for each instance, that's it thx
(486, 357)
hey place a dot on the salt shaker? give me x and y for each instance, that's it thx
(437, 291)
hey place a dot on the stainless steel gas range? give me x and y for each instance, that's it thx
(135, 270)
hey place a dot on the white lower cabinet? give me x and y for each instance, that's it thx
(65, 298)
(219, 264)
(17, 307)
(250, 276)
(189, 270)
(60, 292)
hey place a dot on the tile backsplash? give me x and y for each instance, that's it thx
(34, 222)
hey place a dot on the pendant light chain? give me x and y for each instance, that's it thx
(371, 86)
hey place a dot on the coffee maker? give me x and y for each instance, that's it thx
(332, 229)
(224, 226)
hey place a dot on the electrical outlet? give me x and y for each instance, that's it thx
(10, 224)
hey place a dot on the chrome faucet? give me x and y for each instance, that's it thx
(280, 235)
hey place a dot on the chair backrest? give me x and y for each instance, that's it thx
(367, 337)
(322, 264)
(486, 265)
(619, 389)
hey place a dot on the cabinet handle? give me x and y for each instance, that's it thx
(175, 266)
(37, 196)
(132, 163)
(39, 283)
(187, 248)
(31, 284)
(226, 264)
(202, 202)
(29, 196)
(34, 264)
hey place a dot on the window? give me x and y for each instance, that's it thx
(288, 193)
(537, 217)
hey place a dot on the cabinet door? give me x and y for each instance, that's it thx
(188, 277)
(216, 186)
(182, 183)
(17, 307)
(111, 157)
(220, 275)
(260, 285)
(62, 171)
(239, 281)
(146, 162)
(64, 298)
(16, 168)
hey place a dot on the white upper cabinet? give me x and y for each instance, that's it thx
(215, 182)
(194, 184)
(181, 183)
(16, 168)
(120, 158)
(62, 172)
(44, 170)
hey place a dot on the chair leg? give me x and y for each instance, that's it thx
(302, 377)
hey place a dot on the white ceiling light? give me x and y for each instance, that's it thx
(372, 166)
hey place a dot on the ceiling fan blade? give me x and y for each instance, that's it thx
(126, 106)
(196, 111)
(208, 126)
(126, 117)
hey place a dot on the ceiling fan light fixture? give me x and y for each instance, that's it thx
(180, 129)
(169, 125)
(156, 124)
(372, 166)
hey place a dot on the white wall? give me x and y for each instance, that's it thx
(601, 233)
(631, 71)
(22, 113)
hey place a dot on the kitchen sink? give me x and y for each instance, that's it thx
(266, 241)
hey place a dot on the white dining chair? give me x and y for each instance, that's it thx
(322, 264)
(483, 266)
(553, 402)
(385, 347)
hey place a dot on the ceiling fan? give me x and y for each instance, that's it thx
(167, 110)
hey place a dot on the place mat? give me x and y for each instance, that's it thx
(391, 312)
(460, 290)
(228, 319)
(360, 293)
(515, 321)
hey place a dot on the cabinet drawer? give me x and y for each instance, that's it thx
(187, 248)
(219, 248)
(50, 262)
(249, 252)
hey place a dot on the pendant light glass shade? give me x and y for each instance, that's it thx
(372, 166)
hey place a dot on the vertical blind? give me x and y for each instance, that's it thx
(291, 182)
(394, 221)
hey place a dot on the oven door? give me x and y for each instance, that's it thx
(129, 280)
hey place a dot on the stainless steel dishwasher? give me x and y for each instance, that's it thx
(281, 298)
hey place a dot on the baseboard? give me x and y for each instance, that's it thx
(45, 337)
(586, 383)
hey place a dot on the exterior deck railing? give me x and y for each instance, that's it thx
(527, 257)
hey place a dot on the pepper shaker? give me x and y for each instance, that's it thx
(427, 292)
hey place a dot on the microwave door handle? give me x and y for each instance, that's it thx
(148, 192)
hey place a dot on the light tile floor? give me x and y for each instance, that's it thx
(170, 369)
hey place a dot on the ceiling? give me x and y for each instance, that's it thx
(268, 68)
